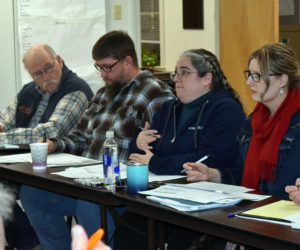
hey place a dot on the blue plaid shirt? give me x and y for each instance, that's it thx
(65, 116)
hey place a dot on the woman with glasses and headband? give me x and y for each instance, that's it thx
(204, 120)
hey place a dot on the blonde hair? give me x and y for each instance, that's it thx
(277, 58)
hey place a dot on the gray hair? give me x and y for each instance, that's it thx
(45, 47)
(7, 199)
(204, 61)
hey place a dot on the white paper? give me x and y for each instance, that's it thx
(218, 186)
(71, 27)
(53, 160)
(182, 205)
(295, 219)
(196, 195)
(97, 171)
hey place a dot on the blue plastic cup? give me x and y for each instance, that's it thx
(137, 177)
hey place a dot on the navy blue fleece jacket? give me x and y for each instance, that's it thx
(212, 130)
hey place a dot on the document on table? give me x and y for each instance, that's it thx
(232, 191)
(185, 205)
(281, 212)
(201, 195)
(97, 171)
(53, 160)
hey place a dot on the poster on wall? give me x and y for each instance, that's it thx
(71, 27)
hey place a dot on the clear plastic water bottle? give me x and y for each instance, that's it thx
(111, 170)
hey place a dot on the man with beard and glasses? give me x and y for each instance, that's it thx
(129, 98)
(49, 106)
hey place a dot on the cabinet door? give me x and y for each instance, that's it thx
(245, 25)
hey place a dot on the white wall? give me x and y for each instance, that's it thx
(7, 62)
(177, 40)
(129, 22)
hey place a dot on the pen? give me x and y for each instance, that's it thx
(141, 128)
(97, 236)
(231, 215)
(199, 161)
(44, 137)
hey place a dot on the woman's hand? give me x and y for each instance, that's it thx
(146, 137)
(294, 192)
(139, 158)
(201, 172)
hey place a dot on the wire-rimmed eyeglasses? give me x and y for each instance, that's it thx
(39, 74)
(181, 74)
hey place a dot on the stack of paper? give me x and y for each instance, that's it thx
(198, 196)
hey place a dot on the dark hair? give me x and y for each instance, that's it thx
(204, 62)
(116, 44)
(277, 58)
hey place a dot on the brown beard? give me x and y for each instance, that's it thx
(112, 90)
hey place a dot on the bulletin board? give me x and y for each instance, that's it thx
(70, 27)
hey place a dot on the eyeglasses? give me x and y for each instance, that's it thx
(106, 68)
(181, 74)
(39, 74)
(256, 76)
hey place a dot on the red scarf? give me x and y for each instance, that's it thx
(262, 155)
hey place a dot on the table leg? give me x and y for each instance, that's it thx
(104, 222)
(151, 237)
(161, 236)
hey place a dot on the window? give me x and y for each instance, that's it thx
(150, 35)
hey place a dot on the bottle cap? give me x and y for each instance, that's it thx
(109, 134)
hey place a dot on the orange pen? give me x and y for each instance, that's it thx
(97, 236)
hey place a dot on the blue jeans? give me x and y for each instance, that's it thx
(91, 220)
(46, 211)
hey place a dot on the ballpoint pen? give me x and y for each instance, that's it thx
(199, 161)
(97, 236)
(231, 215)
(141, 128)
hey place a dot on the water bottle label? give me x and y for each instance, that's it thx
(106, 165)
(106, 160)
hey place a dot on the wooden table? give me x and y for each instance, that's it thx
(216, 223)
(23, 173)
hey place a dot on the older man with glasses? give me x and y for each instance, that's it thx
(49, 106)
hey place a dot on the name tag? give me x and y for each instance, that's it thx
(193, 128)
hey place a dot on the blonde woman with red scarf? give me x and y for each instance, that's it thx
(270, 136)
